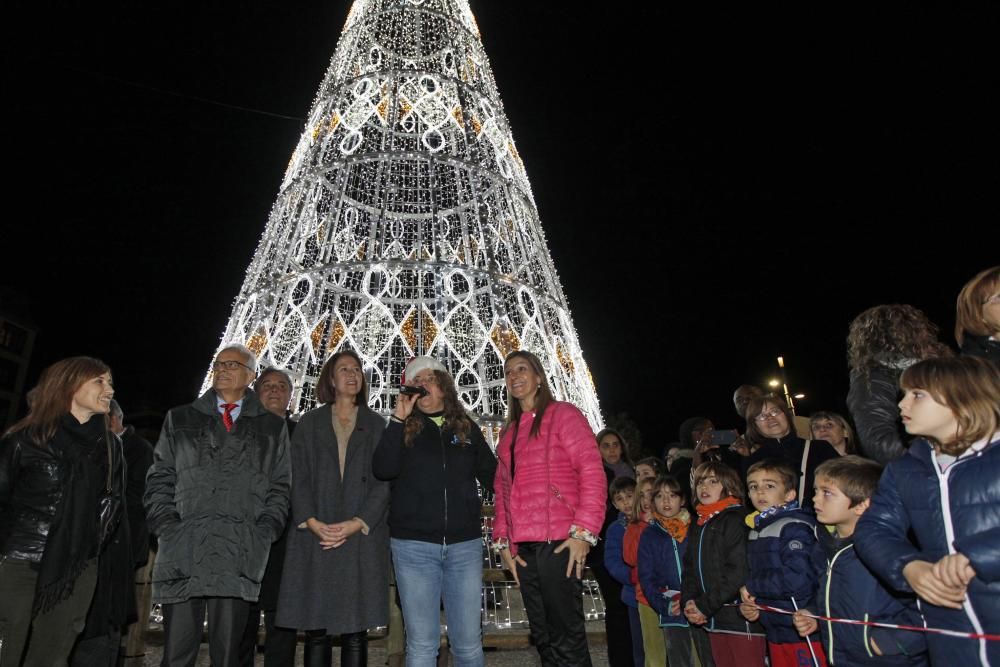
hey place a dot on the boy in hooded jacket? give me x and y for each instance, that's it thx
(847, 588)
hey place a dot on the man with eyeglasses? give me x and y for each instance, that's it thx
(216, 497)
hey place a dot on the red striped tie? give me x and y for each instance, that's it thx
(227, 416)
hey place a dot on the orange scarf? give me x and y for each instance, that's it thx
(706, 512)
(676, 526)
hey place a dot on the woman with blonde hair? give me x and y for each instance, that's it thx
(977, 316)
(834, 428)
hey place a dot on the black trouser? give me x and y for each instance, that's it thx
(554, 603)
(100, 651)
(279, 643)
(616, 625)
(183, 624)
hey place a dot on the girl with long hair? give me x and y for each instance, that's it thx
(61, 498)
(433, 453)
(550, 500)
(934, 523)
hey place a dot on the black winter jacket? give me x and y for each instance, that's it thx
(216, 499)
(434, 497)
(873, 402)
(981, 346)
(714, 568)
(32, 481)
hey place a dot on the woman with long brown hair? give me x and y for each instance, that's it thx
(61, 497)
(336, 572)
(550, 495)
(433, 453)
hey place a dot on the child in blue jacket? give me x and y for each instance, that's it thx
(779, 553)
(622, 495)
(934, 523)
(847, 588)
(661, 549)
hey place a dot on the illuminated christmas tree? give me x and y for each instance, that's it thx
(405, 223)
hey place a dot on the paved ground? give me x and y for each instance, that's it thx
(505, 657)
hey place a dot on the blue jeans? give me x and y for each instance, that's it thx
(426, 574)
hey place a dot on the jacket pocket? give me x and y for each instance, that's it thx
(256, 554)
(554, 490)
(174, 555)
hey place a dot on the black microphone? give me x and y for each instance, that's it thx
(408, 390)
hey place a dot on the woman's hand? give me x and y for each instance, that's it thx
(511, 562)
(749, 605)
(701, 448)
(740, 446)
(805, 625)
(578, 550)
(925, 583)
(404, 406)
(332, 535)
(339, 532)
(954, 570)
(693, 614)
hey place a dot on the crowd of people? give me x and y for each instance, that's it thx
(727, 548)
(733, 547)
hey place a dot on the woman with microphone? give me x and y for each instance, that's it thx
(433, 453)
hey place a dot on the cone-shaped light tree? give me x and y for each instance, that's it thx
(405, 223)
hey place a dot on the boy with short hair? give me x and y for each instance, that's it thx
(847, 588)
(622, 495)
(779, 553)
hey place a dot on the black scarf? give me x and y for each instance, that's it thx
(73, 534)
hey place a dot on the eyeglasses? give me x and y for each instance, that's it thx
(764, 416)
(229, 365)
(421, 381)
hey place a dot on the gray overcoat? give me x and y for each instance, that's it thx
(344, 589)
(216, 499)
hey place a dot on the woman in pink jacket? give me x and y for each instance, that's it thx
(550, 496)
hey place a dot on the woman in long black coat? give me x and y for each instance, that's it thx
(336, 574)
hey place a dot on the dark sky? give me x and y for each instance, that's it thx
(717, 186)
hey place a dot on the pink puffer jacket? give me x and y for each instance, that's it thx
(560, 479)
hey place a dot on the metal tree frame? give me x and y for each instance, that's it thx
(405, 224)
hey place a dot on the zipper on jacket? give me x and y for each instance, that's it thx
(444, 468)
(680, 577)
(829, 614)
(701, 575)
(949, 532)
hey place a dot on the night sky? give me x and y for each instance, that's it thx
(717, 187)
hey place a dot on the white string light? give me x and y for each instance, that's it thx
(405, 224)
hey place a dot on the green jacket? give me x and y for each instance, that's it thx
(216, 499)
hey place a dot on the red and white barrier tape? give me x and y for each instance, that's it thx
(876, 624)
